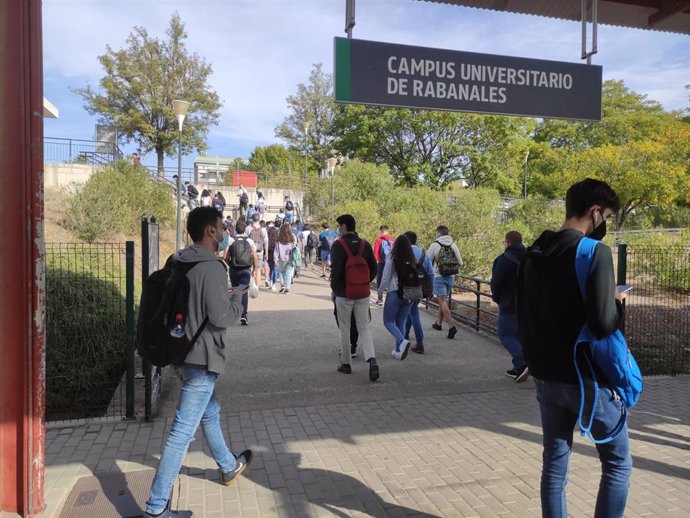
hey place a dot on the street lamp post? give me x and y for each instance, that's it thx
(180, 108)
(306, 143)
(330, 165)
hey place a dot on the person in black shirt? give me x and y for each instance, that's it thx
(551, 313)
(503, 288)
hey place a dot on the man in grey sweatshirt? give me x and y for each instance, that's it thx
(208, 298)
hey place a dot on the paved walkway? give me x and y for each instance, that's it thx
(442, 435)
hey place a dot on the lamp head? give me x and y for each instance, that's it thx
(331, 163)
(180, 108)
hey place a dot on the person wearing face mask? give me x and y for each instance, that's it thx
(209, 309)
(551, 312)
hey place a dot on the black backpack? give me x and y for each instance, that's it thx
(240, 253)
(289, 205)
(312, 241)
(244, 198)
(411, 281)
(164, 305)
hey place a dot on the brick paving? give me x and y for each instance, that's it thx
(459, 455)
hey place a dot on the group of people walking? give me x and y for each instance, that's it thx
(544, 307)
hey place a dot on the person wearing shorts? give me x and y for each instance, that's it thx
(443, 284)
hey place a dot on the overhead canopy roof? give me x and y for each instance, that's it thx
(656, 15)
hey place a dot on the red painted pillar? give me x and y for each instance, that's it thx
(22, 320)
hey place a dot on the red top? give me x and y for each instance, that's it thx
(377, 246)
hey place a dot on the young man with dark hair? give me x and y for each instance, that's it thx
(346, 307)
(382, 247)
(445, 256)
(326, 239)
(504, 293)
(551, 313)
(241, 258)
(208, 299)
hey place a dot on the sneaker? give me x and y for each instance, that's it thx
(379, 303)
(286, 291)
(522, 374)
(274, 288)
(244, 321)
(243, 460)
(452, 331)
(345, 368)
(323, 276)
(400, 352)
(282, 290)
(437, 326)
(419, 349)
(267, 284)
(373, 370)
(170, 514)
(512, 373)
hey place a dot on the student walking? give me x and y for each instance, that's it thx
(402, 280)
(219, 202)
(504, 293)
(206, 198)
(289, 210)
(272, 233)
(414, 321)
(209, 315)
(326, 240)
(311, 243)
(259, 236)
(445, 256)
(353, 267)
(382, 247)
(243, 196)
(283, 257)
(241, 258)
(552, 313)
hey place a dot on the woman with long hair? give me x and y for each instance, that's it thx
(206, 198)
(219, 202)
(282, 255)
(397, 275)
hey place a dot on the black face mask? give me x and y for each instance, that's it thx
(599, 232)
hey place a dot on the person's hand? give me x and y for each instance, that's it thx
(620, 296)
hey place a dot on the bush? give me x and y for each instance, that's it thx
(113, 200)
(85, 334)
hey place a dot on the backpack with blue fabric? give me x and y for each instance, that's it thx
(386, 247)
(609, 356)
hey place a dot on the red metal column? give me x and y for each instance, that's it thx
(22, 315)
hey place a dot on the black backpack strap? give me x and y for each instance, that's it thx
(198, 333)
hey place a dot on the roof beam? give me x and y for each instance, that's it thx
(670, 8)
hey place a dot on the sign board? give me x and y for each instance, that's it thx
(369, 72)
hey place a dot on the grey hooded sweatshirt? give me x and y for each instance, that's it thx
(435, 248)
(208, 296)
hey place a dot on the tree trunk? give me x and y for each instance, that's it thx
(161, 160)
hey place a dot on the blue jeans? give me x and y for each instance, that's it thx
(241, 277)
(414, 320)
(395, 313)
(285, 273)
(198, 405)
(559, 404)
(272, 269)
(508, 335)
(289, 217)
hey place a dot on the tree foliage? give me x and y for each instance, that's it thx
(275, 158)
(309, 124)
(433, 148)
(141, 81)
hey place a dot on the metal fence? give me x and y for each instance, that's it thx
(77, 151)
(90, 330)
(657, 312)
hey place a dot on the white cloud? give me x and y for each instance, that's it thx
(261, 49)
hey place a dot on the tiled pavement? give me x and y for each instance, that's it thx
(462, 455)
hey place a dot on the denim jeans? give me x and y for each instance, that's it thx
(559, 404)
(273, 273)
(239, 277)
(198, 405)
(285, 273)
(508, 335)
(414, 320)
(395, 313)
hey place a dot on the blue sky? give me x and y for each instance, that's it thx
(261, 49)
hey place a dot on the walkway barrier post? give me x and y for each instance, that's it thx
(478, 295)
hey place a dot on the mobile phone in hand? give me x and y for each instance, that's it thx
(624, 288)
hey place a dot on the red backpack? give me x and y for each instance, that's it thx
(357, 279)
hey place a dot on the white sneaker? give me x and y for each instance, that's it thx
(274, 288)
(400, 353)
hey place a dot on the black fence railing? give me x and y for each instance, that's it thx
(657, 314)
(657, 323)
(77, 151)
(89, 330)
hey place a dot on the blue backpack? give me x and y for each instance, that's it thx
(386, 247)
(610, 355)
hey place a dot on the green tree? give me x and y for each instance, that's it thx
(432, 148)
(275, 159)
(309, 125)
(140, 83)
